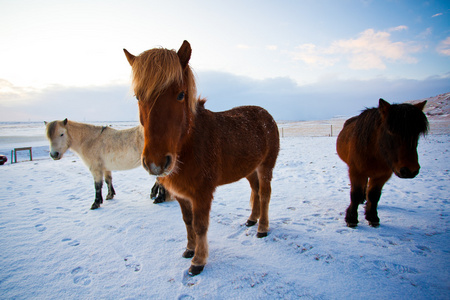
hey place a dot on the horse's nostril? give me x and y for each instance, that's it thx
(168, 162)
(144, 164)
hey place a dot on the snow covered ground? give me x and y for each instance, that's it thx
(52, 246)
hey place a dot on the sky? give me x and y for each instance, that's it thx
(301, 60)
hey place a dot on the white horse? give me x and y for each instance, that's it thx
(102, 149)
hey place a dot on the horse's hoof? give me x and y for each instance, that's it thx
(195, 270)
(159, 199)
(352, 224)
(374, 224)
(109, 197)
(261, 234)
(95, 205)
(188, 253)
(250, 223)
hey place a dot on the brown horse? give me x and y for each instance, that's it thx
(193, 150)
(375, 144)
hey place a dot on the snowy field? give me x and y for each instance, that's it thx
(52, 246)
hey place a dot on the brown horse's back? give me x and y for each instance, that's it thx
(345, 139)
(238, 140)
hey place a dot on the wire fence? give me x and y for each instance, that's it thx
(311, 128)
(438, 126)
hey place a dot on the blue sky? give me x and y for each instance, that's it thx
(298, 59)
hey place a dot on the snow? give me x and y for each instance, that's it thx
(52, 246)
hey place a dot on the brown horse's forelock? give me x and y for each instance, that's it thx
(155, 70)
(407, 120)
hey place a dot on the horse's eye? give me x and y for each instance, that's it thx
(62, 134)
(180, 96)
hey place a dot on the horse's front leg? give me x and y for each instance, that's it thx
(200, 210)
(186, 210)
(108, 180)
(98, 183)
(357, 194)
(373, 196)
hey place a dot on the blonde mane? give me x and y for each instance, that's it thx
(156, 69)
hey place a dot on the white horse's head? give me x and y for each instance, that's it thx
(58, 137)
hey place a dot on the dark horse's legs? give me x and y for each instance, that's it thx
(108, 180)
(357, 195)
(158, 193)
(373, 196)
(98, 195)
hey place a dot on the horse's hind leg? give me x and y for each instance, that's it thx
(357, 194)
(254, 199)
(373, 196)
(108, 180)
(154, 191)
(265, 190)
(158, 193)
(161, 195)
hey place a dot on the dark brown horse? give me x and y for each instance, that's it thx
(193, 150)
(375, 144)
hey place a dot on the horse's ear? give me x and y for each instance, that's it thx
(65, 121)
(383, 107)
(45, 122)
(184, 54)
(130, 57)
(421, 105)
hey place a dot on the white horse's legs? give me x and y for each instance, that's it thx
(98, 183)
(108, 180)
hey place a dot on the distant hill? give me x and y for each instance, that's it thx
(437, 106)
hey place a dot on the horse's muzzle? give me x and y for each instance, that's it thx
(407, 173)
(158, 170)
(55, 155)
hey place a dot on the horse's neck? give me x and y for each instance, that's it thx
(80, 133)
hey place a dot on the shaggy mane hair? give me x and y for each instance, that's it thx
(404, 120)
(156, 69)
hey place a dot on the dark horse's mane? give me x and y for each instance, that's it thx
(403, 120)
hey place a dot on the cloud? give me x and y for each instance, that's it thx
(437, 15)
(444, 47)
(327, 98)
(281, 96)
(370, 50)
(426, 33)
(105, 103)
(398, 28)
(312, 55)
(243, 46)
(271, 47)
